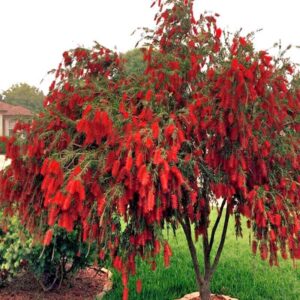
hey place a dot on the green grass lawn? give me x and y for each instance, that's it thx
(239, 274)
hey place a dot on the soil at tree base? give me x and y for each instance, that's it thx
(195, 296)
(86, 285)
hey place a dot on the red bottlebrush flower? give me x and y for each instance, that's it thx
(193, 196)
(143, 175)
(218, 33)
(117, 263)
(234, 133)
(149, 143)
(243, 42)
(254, 145)
(169, 130)
(263, 168)
(150, 201)
(221, 128)
(44, 168)
(230, 118)
(156, 247)
(67, 202)
(80, 190)
(115, 168)
(48, 237)
(263, 251)
(139, 286)
(100, 205)
(210, 74)
(172, 154)
(67, 58)
(243, 162)
(157, 158)
(260, 205)
(277, 220)
(53, 212)
(87, 110)
(125, 293)
(71, 187)
(174, 65)
(66, 221)
(155, 130)
(148, 95)
(124, 278)
(178, 175)
(123, 111)
(129, 162)
(167, 254)
(174, 201)
(232, 161)
(102, 254)
(272, 235)
(121, 206)
(54, 167)
(139, 159)
(59, 199)
(163, 176)
(235, 64)
(240, 180)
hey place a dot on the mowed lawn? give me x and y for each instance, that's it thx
(240, 274)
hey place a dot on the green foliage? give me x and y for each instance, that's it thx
(14, 247)
(24, 95)
(2, 147)
(61, 259)
(50, 265)
(134, 62)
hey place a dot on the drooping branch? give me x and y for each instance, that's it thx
(213, 232)
(222, 241)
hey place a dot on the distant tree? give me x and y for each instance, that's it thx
(134, 62)
(24, 95)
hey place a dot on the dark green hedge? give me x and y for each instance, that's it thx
(2, 147)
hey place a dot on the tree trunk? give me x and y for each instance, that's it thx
(203, 281)
(205, 290)
(187, 230)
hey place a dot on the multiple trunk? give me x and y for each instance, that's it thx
(210, 263)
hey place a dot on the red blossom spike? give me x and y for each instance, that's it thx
(48, 237)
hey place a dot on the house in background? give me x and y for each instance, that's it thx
(9, 115)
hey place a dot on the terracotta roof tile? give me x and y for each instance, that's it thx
(13, 110)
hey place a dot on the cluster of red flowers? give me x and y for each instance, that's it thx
(206, 121)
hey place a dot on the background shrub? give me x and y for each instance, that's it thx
(50, 265)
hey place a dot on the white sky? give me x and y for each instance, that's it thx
(34, 33)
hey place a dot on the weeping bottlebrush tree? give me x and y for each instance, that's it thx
(210, 122)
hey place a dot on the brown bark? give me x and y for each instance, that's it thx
(188, 234)
(203, 281)
(205, 291)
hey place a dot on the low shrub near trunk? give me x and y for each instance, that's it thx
(50, 265)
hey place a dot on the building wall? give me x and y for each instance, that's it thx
(9, 123)
(1, 125)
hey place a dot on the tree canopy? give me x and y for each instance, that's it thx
(134, 63)
(210, 122)
(24, 95)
